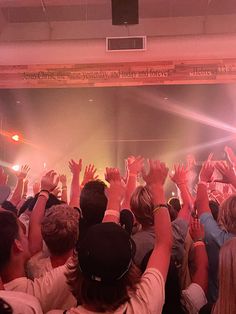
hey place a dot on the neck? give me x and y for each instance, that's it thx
(11, 272)
(60, 260)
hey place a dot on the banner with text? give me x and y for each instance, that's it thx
(118, 74)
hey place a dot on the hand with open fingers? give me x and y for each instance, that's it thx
(206, 172)
(196, 230)
(22, 174)
(117, 188)
(63, 179)
(75, 167)
(227, 171)
(49, 181)
(89, 174)
(112, 174)
(157, 173)
(230, 155)
(180, 174)
(3, 177)
(135, 164)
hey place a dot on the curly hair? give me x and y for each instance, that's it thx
(227, 214)
(60, 228)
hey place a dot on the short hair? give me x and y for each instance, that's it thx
(60, 228)
(142, 206)
(214, 206)
(9, 231)
(175, 203)
(227, 214)
(103, 296)
(93, 201)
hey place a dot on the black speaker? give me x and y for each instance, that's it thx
(124, 12)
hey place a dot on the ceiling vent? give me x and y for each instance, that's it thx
(135, 43)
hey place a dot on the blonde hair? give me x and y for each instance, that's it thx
(142, 206)
(60, 228)
(227, 214)
(226, 303)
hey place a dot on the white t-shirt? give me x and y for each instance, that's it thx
(51, 290)
(38, 265)
(149, 297)
(21, 303)
(193, 298)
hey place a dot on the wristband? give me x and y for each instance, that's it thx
(44, 191)
(202, 182)
(157, 207)
(112, 212)
(44, 194)
(198, 243)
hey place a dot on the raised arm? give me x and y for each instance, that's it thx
(17, 193)
(89, 174)
(179, 177)
(48, 184)
(155, 180)
(63, 180)
(75, 168)
(200, 275)
(205, 176)
(115, 193)
(133, 166)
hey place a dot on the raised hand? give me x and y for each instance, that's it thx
(49, 181)
(135, 164)
(116, 189)
(227, 171)
(25, 188)
(230, 155)
(206, 171)
(63, 179)
(89, 174)
(3, 177)
(196, 230)
(157, 173)
(22, 174)
(112, 174)
(180, 174)
(75, 167)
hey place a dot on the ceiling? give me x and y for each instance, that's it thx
(25, 11)
(81, 19)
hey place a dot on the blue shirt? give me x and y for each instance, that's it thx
(215, 237)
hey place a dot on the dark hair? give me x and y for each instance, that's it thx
(93, 203)
(103, 296)
(9, 231)
(173, 213)
(5, 308)
(7, 205)
(214, 206)
(26, 205)
(53, 200)
(175, 203)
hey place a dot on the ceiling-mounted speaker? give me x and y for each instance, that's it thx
(125, 12)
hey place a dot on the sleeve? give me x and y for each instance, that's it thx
(193, 298)
(151, 290)
(179, 229)
(213, 231)
(52, 290)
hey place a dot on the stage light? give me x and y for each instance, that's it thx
(16, 167)
(15, 138)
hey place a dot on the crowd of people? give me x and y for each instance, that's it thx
(116, 244)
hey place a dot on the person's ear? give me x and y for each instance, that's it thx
(17, 246)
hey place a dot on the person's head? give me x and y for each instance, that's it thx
(173, 213)
(227, 214)
(175, 203)
(226, 302)
(214, 206)
(93, 202)
(53, 200)
(104, 272)
(60, 229)
(13, 241)
(142, 206)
